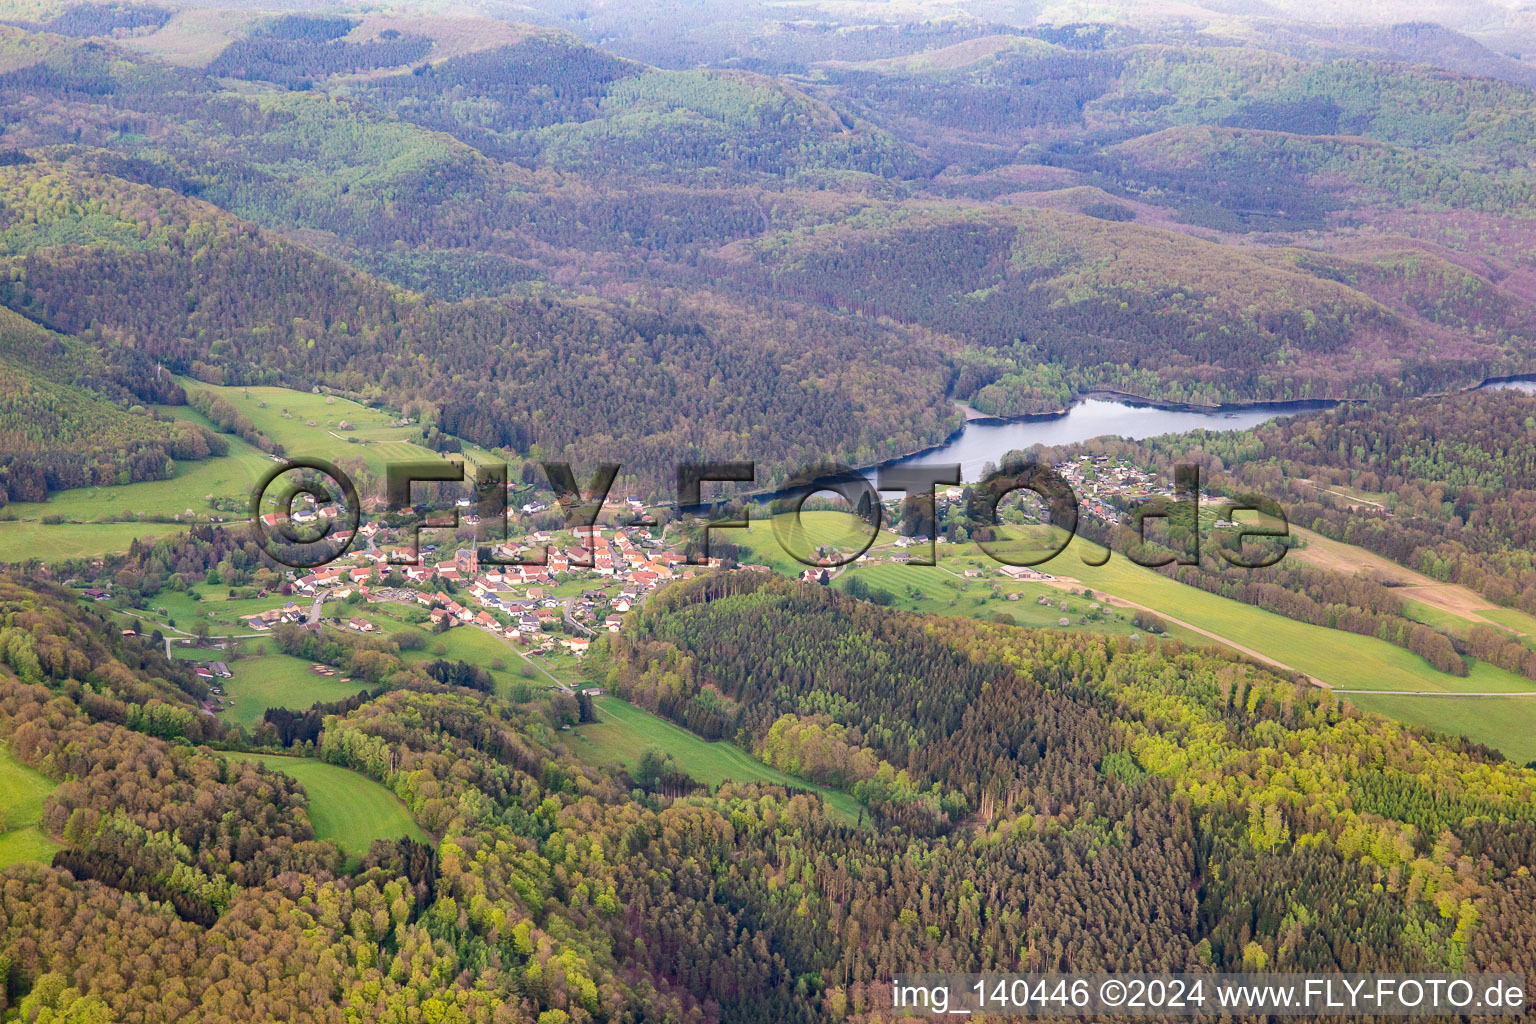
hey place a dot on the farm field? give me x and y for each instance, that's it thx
(344, 806)
(278, 681)
(625, 732)
(1449, 598)
(22, 791)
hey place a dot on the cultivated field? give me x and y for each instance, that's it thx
(1462, 602)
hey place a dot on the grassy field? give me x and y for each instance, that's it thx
(22, 792)
(624, 732)
(772, 538)
(223, 616)
(1437, 618)
(937, 590)
(1506, 723)
(231, 475)
(304, 423)
(462, 643)
(1340, 659)
(344, 806)
(1512, 618)
(278, 681)
(193, 38)
(1448, 606)
(309, 424)
(22, 540)
(217, 650)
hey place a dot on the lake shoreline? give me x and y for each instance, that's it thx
(1242, 411)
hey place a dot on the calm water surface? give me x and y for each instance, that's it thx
(984, 441)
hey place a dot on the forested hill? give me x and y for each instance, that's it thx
(953, 727)
(173, 279)
(1107, 804)
(67, 420)
(540, 246)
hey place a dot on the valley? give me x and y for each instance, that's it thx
(517, 757)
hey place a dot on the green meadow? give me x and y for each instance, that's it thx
(303, 423)
(624, 732)
(22, 540)
(461, 643)
(22, 791)
(326, 426)
(211, 605)
(344, 806)
(939, 591)
(775, 540)
(1505, 723)
(278, 681)
(1342, 660)
(1512, 618)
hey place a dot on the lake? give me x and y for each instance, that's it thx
(986, 440)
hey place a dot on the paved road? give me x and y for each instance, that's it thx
(571, 623)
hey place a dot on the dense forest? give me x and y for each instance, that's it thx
(1013, 780)
(747, 265)
(618, 237)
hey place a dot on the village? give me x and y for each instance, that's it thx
(522, 592)
(548, 593)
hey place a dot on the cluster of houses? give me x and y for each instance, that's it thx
(513, 596)
(211, 673)
(1098, 479)
(291, 611)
